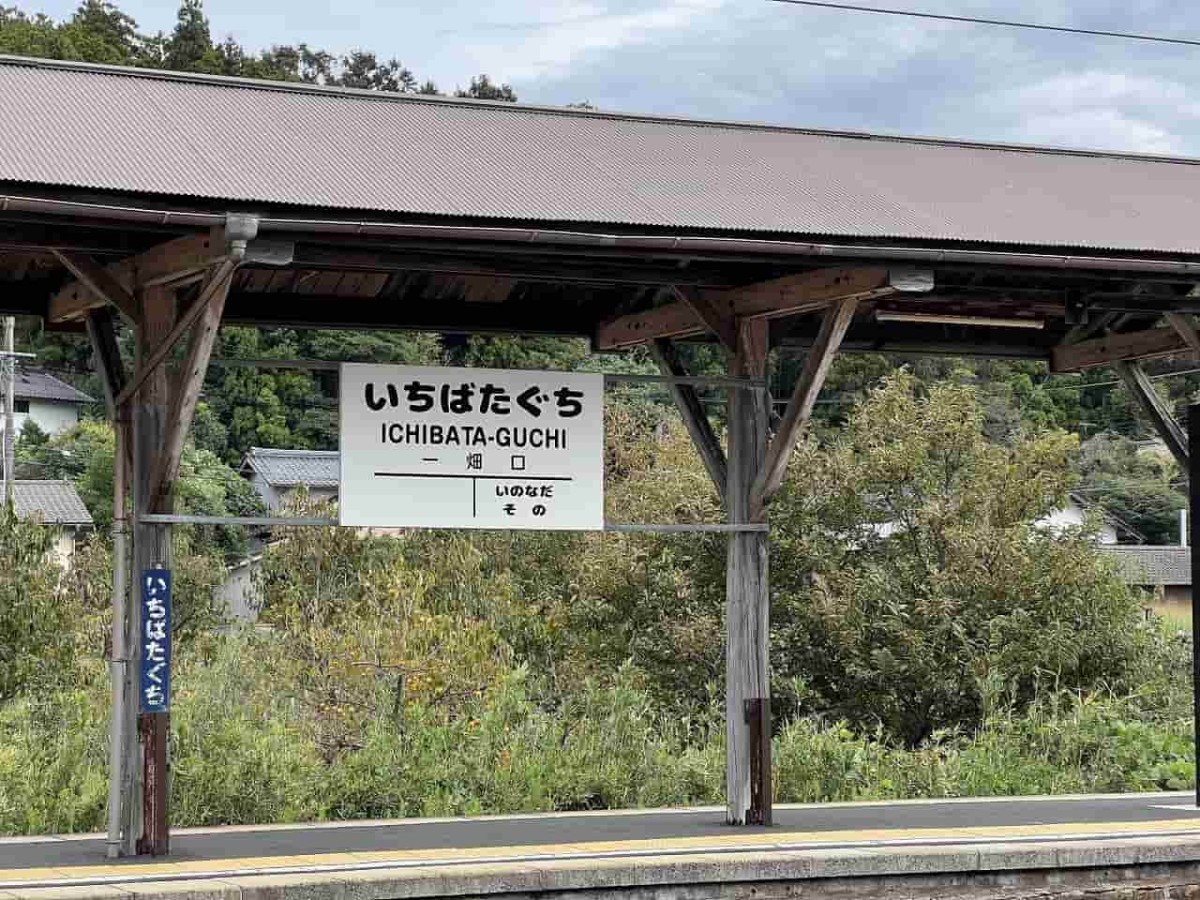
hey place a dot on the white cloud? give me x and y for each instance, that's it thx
(757, 60)
(1098, 129)
(1104, 109)
(565, 31)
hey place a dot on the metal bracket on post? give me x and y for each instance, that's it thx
(758, 718)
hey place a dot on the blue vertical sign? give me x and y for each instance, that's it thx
(155, 653)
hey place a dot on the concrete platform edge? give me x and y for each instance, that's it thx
(967, 868)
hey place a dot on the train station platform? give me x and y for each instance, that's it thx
(1002, 847)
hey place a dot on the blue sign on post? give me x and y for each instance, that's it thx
(155, 653)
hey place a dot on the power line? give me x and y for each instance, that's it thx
(971, 20)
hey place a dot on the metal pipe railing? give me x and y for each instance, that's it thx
(326, 521)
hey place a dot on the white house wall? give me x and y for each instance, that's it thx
(1073, 516)
(50, 417)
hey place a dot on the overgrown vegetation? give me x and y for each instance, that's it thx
(929, 640)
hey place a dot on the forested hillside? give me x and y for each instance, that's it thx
(966, 651)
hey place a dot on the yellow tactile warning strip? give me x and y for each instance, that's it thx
(761, 841)
(127, 873)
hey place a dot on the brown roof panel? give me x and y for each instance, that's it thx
(134, 131)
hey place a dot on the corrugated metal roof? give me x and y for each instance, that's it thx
(286, 468)
(224, 139)
(34, 384)
(50, 502)
(1148, 565)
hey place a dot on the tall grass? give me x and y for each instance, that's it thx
(246, 750)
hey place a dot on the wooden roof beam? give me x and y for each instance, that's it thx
(1149, 343)
(786, 296)
(167, 263)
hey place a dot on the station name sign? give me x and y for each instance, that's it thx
(431, 447)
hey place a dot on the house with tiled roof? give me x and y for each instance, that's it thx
(1164, 568)
(49, 402)
(276, 474)
(57, 505)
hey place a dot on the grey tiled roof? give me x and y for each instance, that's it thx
(289, 468)
(51, 502)
(85, 126)
(34, 384)
(1149, 565)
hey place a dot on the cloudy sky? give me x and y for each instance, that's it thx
(765, 61)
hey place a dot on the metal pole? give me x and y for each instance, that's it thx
(1194, 498)
(326, 521)
(10, 378)
(119, 733)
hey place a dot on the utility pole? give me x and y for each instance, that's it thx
(10, 373)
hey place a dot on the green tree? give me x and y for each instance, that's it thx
(36, 617)
(1137, 488)
(911, 587)
(190, 47)
(361, 69)
(483, 88)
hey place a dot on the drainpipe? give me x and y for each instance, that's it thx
(688, 244)
(119, 732)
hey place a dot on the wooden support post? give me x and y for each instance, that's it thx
(694, 416)
(1155, 408)
(154, 420)
(152, 543)
(747, 666)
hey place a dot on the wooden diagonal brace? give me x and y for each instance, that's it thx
(103, 337)
(1185, 327)
(718, 321)
(166, 263)
(799, 410)
(108, 357)
(694, 416)
(211, 305)
(217, 283)
(101, 282)
(1155, 408)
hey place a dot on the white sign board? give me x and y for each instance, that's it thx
(427, 447)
